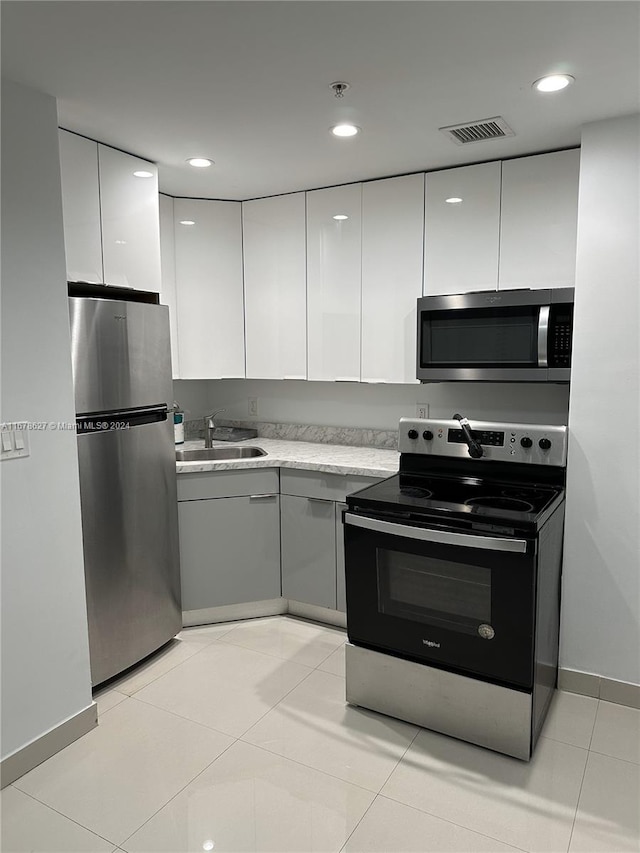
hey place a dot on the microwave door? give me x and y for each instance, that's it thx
(486, 344)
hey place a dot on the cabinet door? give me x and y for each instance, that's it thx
(209, 288)
(334, 283)
(341, 590)
(81, 207)
(462, 238)
(229, 551)
(168, 271)
(308, 536)
(392, 237)
(273, 232)
(539, 220)
(130, 217)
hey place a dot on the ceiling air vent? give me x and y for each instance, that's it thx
(478, 131)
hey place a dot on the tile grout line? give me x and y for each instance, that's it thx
(575, 814)
(131, 695)
(378, 794)
(453, 823)
(62, 814)
(164, 805)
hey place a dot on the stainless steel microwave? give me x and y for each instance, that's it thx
(496, 336)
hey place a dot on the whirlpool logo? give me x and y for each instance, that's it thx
(493, 299)
(431, 644)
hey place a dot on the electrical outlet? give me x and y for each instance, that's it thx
(422, 410)
(253, 407)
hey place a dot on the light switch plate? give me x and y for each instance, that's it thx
(14, 444)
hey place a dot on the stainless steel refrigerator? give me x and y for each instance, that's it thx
(122, 380)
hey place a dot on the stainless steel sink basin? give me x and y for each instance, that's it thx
(213, 454)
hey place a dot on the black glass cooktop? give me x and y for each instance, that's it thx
(468, 497)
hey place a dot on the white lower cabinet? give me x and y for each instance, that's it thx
(229, 546)
(308, 550)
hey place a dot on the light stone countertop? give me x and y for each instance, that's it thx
(329, 458)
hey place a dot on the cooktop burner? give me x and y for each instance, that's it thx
(500, 502)
(468, 498)
(415, 492)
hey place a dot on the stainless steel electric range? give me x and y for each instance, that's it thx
(453, 581)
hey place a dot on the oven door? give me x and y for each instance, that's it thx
(460, 601)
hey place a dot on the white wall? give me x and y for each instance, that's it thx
(601, 596)
(374, 406)
(45, 652)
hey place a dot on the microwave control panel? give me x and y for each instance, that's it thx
(560, 335)
(529, 443)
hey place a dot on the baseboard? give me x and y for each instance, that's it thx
(234, 612)
(318, 614)
(607, 689)
(270, 607)
(34, 753)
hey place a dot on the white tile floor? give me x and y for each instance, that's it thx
(237, 738)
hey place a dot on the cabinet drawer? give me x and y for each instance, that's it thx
(226, 484)
(316, 484)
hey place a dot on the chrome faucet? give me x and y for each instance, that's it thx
(210, 426)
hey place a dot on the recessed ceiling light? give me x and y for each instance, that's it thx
(453, 200)
(199, 162)
(187, 222)
(142, 173)
(553, 82)
(340, 216)
(345, 130)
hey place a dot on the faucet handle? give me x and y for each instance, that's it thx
(214, 414)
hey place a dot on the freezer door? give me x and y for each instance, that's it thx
(130, 532)
(121, 354)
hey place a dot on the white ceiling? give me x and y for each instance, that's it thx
(247, 83)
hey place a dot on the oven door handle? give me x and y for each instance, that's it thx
(488, 543)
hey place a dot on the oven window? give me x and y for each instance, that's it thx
(474, 338)
(437, 592)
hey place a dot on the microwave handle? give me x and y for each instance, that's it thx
(487, 543)
(543, 335)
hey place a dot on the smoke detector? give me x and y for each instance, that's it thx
(478, 131)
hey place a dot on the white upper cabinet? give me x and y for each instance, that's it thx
(130, 220)
(168, 269)
(462, 237)
(275, 287)
(81, 207)
(539, 220)
(334, 282)
(392, 240)
(209, 288)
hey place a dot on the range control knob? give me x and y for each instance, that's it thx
(427, 435)
(526, 441)
(413, 433)
(544, 444)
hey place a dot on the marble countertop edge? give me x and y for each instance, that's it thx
(326, 458)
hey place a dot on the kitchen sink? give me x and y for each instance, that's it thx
(213, 454)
